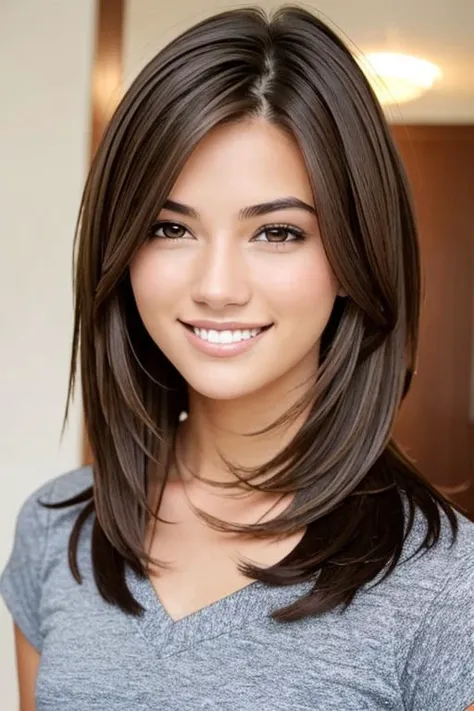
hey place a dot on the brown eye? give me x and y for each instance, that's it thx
(280, 234)
(277, 234)
(167, 230)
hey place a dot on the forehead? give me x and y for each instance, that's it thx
(241, 164)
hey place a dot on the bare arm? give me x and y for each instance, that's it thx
(27, 660)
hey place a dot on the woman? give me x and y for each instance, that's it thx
(247, 306)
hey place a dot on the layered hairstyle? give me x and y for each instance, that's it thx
(354, 489)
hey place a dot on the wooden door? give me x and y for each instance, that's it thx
(434, 422)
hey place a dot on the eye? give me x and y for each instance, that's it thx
(279, 234)
(167, 230)
(271, 234)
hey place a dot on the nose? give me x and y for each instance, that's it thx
(222, 277)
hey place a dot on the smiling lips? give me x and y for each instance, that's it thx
(227, 338)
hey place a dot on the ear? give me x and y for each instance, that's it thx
(343, 294)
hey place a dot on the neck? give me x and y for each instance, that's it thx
(227, 427)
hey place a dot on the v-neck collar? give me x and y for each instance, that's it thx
(253, 602)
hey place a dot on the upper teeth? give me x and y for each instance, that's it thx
(226, 336)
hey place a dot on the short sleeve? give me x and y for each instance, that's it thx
(439, 674)
(21, 580)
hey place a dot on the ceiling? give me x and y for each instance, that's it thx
(439, 30)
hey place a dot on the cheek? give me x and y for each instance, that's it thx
(303, 285)
(155, 280)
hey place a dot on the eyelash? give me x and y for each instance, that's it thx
(298, 234)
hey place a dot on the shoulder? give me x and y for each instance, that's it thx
(446, 570)
(420, 591)
(37, 524)
(423, 613)
(62, 487)
(40, 539)
(58, 522)
(451, 554)
(434, 596)
(427, 569)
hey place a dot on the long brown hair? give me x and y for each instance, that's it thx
(353, 488)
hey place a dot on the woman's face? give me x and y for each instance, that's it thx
(237, 299)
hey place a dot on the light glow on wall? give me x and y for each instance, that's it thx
(398, 78)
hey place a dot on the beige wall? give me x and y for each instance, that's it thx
(45, 55)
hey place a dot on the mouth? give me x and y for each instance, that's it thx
(225, 336)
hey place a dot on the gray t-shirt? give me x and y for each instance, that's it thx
(405, 644)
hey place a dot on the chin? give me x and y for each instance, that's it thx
(227, 387)
(220, 391)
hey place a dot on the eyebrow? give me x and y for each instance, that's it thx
(247, 212)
